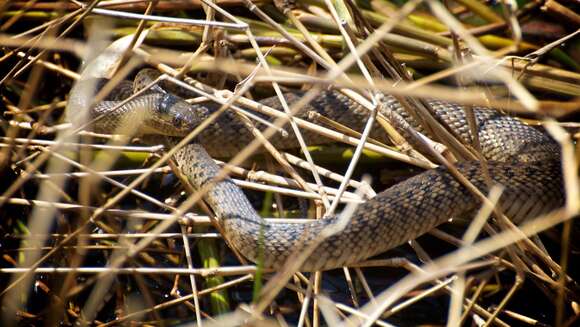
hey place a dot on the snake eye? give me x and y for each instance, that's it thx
(178, 121)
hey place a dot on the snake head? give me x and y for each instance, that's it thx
(173, 116)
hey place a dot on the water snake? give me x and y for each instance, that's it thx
(524, 160)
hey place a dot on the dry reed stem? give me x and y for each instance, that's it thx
(292, 122)
(457, 262)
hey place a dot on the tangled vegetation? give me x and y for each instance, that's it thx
(100, 230)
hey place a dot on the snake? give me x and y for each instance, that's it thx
(522, 159)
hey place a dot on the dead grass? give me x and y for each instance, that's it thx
(89, 240)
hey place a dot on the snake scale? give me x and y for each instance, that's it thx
(522, 159)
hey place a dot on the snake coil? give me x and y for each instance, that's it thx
(522, 159)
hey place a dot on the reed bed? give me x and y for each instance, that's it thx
(98, 229)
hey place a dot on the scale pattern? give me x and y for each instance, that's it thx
(522, 159)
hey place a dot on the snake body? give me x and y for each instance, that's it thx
(522, 159)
